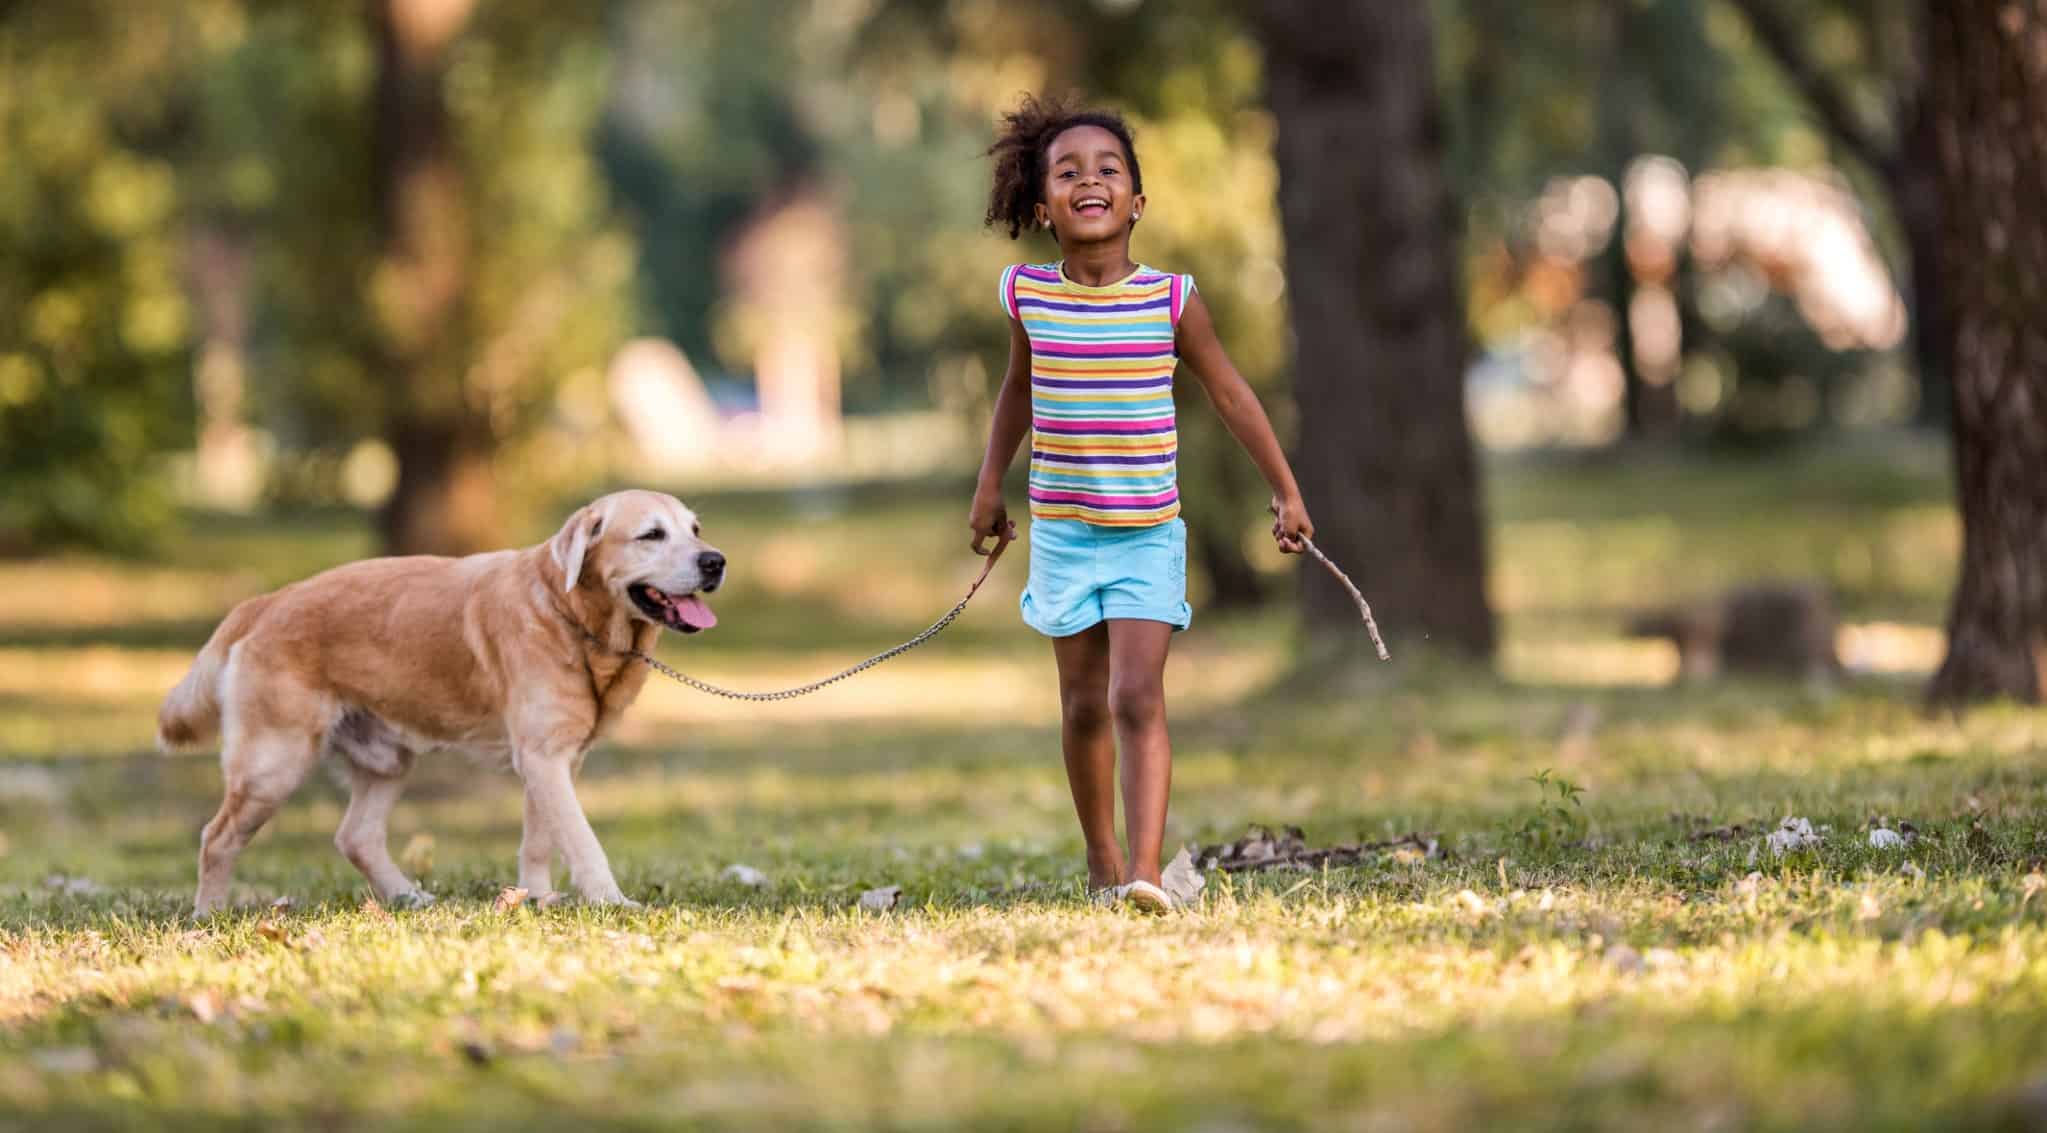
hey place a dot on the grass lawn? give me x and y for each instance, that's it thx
(1630, 961)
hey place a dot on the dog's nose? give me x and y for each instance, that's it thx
(711, 564)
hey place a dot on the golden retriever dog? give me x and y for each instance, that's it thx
(515, 657)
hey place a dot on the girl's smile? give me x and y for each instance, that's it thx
(1088, 194)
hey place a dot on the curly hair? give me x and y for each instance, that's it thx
(1019, 153)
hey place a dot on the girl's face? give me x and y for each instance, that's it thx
(1088, 194)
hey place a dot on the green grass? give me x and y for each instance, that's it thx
(1616, 966)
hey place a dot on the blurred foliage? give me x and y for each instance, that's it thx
(95, 111)
(549, 264)
(612, 152)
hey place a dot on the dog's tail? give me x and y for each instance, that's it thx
(190, 715)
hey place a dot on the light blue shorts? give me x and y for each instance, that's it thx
(1082, 574)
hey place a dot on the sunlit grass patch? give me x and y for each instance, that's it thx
(1626, 953)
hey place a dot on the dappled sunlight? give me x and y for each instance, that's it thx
(64, 593)
(1648, 907)
(1891, 647)
(101, 675)
(1591, 662)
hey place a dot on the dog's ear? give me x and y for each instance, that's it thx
(572, 542)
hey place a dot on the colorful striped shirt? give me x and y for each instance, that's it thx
(1103, 444)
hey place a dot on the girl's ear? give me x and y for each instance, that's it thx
(1039, 214)
(1136, 208)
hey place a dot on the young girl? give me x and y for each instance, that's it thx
(1093, 341)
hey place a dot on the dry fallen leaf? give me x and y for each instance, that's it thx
(376, 912)
(1181, 879)
(1869, 908)
(510, 897)
(881, 900)
(745, 875)
(272, 929)
(1472, 902)
(1794, 834)
(206, 1004)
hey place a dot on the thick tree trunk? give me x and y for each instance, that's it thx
(444, 502)
(1988, 96)
(1384, 457)
(1915, 198)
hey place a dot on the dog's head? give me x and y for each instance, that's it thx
(646, 550)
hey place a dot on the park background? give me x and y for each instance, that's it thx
(1570, 313)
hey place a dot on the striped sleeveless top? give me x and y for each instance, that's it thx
(1103, 443)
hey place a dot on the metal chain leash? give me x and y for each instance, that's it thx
(1002, 542)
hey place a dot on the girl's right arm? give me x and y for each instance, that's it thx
(989, 518)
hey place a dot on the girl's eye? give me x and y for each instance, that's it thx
(1068, 173)
(654, 536)
(1109, 171)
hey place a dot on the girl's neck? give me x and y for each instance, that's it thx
(1097, 265)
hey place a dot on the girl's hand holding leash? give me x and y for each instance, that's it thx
(990, 520)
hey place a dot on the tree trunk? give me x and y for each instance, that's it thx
(1385, 456)
(1988, 95)
(1915, 199)
(444, 502)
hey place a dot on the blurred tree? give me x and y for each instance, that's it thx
(703, 126)
(437, 425)
(1577, 87)
(95, 331)
(1987, 98)
(435, 260)
(1860, 67)
(1385, 457)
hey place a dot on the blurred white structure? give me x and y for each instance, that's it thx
(660, 402)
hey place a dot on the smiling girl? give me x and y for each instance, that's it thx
(1094, 339)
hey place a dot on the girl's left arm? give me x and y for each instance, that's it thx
(1238, 406)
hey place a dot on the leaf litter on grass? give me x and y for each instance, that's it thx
(1261, 848)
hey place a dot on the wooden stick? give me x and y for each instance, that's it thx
(1355, 594)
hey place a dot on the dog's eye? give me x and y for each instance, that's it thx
(653, 536)
(696, 529)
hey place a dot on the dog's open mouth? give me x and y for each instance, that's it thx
(684, 612)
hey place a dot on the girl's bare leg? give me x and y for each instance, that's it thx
(1137, 704)
(1089, 742)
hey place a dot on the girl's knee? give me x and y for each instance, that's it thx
(1137, 703)
(1084, 705)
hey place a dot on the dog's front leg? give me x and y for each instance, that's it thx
(551, 800)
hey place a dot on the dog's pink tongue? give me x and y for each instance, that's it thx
(694, 613)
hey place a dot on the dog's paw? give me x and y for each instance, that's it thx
(410, 899)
